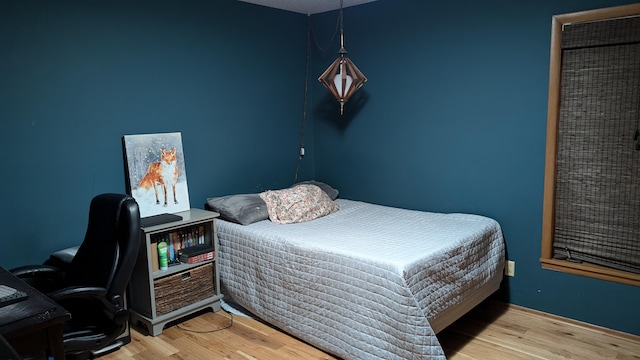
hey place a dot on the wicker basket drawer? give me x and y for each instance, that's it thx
(179, 290)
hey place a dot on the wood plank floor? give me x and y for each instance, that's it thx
(491, 331)
(501, 331)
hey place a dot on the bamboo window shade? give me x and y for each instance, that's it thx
(597, 195)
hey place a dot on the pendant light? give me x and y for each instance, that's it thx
(342, 78)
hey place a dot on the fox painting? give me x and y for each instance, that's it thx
(163, 173)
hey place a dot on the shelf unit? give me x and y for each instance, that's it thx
(163, 296)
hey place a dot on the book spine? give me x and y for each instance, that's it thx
(198, 258)
(155, 264)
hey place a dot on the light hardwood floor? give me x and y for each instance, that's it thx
(501, 331)
(492, 331)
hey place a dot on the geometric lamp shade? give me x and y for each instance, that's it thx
(342, 78)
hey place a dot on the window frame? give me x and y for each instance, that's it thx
(553, 112)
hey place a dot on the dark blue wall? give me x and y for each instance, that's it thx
(75, 76)
(453, 119)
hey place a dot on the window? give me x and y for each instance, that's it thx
(591, 212)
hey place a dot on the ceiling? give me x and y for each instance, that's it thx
(307, 6)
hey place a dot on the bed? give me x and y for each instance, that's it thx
(365, 281)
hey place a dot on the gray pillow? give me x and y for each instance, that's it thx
(243, 209)
(333, 193)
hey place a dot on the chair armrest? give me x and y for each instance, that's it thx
(78, 292)
(42, 277)
(114, 308)
(39, 271)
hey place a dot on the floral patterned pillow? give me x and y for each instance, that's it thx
(297, 204)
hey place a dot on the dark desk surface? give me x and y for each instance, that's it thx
(35, 313)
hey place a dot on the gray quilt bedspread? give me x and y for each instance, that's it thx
(363, 282)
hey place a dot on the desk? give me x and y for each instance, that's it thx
(32, 325)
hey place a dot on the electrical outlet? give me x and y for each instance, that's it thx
(510, 268)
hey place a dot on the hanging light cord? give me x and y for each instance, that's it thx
(341, 17)
(333, 36)
(304, 108)
(311, 34)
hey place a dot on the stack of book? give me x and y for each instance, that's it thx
(195, 254)
(187, 245)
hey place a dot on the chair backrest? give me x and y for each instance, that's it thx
(108, 253)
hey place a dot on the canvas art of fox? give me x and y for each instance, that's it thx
(163, 173)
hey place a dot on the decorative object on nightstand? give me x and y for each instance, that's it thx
(155, 174)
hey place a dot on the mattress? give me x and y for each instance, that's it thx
(367, 281)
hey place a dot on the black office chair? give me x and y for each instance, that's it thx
(92, 286)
